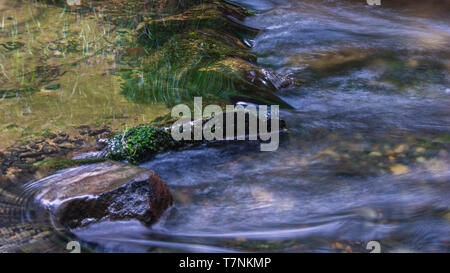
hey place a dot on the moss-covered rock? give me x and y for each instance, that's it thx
(139, 143)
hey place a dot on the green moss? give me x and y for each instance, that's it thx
(139, 143)
(60, 164)
(444, 138)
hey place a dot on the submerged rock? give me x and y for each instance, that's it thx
(197, 48)
(33, 157)
(104, 191)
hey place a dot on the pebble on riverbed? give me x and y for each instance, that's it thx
(34, 157)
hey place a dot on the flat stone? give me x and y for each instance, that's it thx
(104, 191)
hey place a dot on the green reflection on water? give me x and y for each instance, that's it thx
(58, 69)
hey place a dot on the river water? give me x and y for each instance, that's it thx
(365, 157)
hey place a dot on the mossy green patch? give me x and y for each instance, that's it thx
(444, 138)
(139, 143)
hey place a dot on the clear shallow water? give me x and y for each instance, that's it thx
(365, 158)
(75, 52)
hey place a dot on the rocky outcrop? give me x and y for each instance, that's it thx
(140, 143)
(105, 191)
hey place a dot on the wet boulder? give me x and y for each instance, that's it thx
(104, 191)
(141, 143)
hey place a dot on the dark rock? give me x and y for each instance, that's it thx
(38, 141)
(104, 191)
(141, 143)
(31, 154)
(96, 132)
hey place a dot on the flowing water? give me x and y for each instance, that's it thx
(365, 157)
